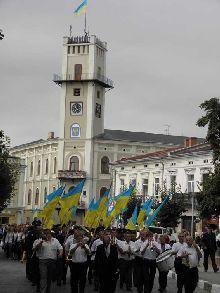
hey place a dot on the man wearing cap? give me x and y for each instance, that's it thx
(126, 256)
(47, 250)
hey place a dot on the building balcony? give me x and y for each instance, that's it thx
(85, 77)
(66, 174)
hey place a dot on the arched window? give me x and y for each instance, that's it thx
(36, 201)
(74, 163)
(102, 191)
(31, 169)
(105, 165)
(75, 131)
(45, 194)
(54, 165)
(38, 167)
(46, 166)
(29, 197)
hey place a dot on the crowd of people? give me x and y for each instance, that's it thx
(104, 257)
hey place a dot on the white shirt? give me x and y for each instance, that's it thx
(149, 253)
(94, 246)
(193, 259)
(49, 249)
(137, 246)
(79, 255)
(177, 246)
(124, 245)
(71, 240)
(9, 238)
(167, 247)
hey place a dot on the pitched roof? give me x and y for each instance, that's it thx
(144, 137)
(32, 143)
(171, 152)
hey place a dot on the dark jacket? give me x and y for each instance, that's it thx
(106, 266)
(208, 241)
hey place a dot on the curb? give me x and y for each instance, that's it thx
(204, 285)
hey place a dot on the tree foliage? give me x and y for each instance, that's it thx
(209, 197)
(171, 212)
(8, 172)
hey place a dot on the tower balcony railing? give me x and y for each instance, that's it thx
(101, 79)
(67, 174)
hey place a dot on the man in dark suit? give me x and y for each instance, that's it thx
(209, 246)
(106, 261)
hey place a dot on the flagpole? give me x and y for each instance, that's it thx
(85, 29)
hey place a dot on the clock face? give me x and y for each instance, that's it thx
(76, 108)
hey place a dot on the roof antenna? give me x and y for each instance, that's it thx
(167, 129)
(71, 31)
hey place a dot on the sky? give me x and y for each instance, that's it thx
(164, 57)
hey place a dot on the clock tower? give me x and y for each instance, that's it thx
(83, 85)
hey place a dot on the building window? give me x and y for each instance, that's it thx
(133, 182)
(75, 131)
(84, 49)
(105, 165)
(98, 110)
(98, 94)
(173, 164)
(205, 161)
(145, 166)
(144, 189)
(173, 183)
(190, 162)
(38, 168)
(45, 194)
(103, 191)
(76, 92)
(54, 165)
(74, 49)
(36, 201)
(69, 49)
(156, 186)
(122, 168)
(156, 165)
(190, 183)
(133, 167)
(29, 196)
(46, 166)
(205, 177)
(122, 185)
(74, 163)
(31, 169)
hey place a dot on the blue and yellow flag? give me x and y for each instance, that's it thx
(68, 201)
(131, 225)
(144, 212)
(89, 214)
(81, 8)
(121, 202)
(152, 217)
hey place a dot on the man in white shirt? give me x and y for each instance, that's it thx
(163, 246)
(179, 268)
(126, 256)
(190, 255)
(47, 250)
(79, 265)
(149, 251)
(138, 262)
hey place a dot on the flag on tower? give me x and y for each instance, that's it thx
(81, 8)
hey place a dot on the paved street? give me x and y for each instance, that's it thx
(12, 280)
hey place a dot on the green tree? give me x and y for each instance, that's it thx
(8, 172)
(171, 212)
(209, 197)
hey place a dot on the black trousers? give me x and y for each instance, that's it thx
(191, 279)
(61, 268)
(125, 269)
(149, 271)
(78, 273)
(163, 280)
(180, 271)
(47, 269)
(138, 276)
(210, 253)
(107, 283)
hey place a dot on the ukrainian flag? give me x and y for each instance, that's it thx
(131, 225)
(121, 202)
(144, 212)
(68, 201)
(152, 217)
(89, 214)
(81, 8)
